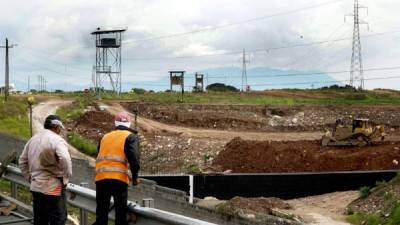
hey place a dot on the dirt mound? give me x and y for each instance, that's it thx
(93, 124)
(242, 156)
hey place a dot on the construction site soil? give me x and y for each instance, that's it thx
(241, 156)
(166, 152)
(263, 118)
(92, 124)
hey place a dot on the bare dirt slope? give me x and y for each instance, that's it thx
(244, 156)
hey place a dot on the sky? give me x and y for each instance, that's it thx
(53, 38)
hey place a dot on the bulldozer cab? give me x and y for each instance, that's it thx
(360, 124)
(348, 130)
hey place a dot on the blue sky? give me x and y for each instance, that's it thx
(54, 38)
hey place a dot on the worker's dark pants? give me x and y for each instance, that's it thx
(119, 191)
(48, 209)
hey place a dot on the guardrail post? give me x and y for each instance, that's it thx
(191, 189)
(83, 216)
(14, 191)
(148, 202)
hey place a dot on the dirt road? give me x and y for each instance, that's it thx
(327, 209)
(39, 114)
(148, 125)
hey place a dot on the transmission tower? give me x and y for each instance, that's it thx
(244, 72)
(356, 68)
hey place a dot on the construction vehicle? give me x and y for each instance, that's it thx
(360, 132)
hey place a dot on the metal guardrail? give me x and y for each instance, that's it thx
(85, 199)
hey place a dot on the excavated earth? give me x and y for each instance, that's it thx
(263, 118)
(241, 156)
(173, 153)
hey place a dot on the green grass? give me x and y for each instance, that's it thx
(391, 204)
(376, 219)
(306, 97)
(14, 118)
(285, 97)
(365, 192)
(82, 144)
(365, 219)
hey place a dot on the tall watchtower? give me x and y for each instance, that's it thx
(108, 59)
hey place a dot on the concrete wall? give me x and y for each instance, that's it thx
(9, 143)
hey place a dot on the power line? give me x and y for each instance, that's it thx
(264, 49)
(327, 82)
(237, 23)
(48, 69)
(288, 74)
(295, 83)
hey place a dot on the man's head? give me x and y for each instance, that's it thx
(122, 119)
(53, 123)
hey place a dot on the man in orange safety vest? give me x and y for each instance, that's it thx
(118, 153)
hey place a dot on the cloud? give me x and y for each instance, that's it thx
(54, 36)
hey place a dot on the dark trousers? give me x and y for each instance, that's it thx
(48, 209)
(119, 191)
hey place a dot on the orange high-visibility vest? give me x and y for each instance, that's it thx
(111, 162)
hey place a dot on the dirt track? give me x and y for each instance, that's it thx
(152, 126)
(327, 209)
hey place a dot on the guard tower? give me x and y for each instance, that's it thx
(199, 83)
(108, 59)
(177, 78)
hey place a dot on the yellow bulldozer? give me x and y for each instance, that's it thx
(358, 132)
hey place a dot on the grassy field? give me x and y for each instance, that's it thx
(14, 117)
(274, 97)
(82, 144)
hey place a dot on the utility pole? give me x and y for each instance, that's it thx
(39, 83)
(7, 71)
(356, 68)
(244, 71)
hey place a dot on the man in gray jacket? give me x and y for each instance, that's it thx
(46, 163)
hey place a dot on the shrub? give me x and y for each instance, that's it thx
(82, 144)
(218, 87)
(365, 192)
(139, 91)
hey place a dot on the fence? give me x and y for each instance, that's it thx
(85, 199)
